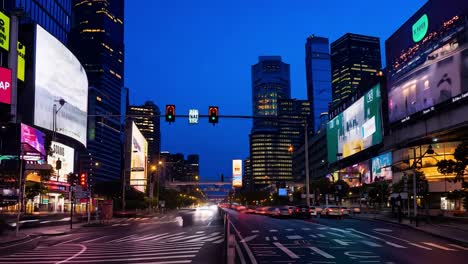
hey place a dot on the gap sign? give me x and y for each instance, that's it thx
(5, 86)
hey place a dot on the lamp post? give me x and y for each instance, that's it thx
(153, 168)
(54, 117)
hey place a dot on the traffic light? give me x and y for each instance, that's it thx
(213, 114)
(83, 181)
(170, 113)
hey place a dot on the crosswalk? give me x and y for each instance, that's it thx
(144, 220)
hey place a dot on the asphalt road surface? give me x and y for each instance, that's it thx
(184, 237)
(262, 239)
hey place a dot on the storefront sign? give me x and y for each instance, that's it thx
(5, 86)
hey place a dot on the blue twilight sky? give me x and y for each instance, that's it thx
(199, 53)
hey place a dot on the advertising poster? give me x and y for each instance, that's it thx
(4, 31)
(381, 167)
(356, 128)
(5, 86)
(237, 173)
(59, 75)
(66, 155)
(139, 156)
(34, 139)
(21, 61)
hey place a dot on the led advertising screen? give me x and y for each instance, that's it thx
(356, 128)
(66, 155)
(428, 60)
(282, 192)
(5, 31)
(5, 86)
(381, 167)
(59, 75)
(32, 141)
(139, 157)
(237, 173)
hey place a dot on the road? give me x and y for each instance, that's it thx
(262, 239)
(183, 237)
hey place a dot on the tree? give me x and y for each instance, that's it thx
(457, 166)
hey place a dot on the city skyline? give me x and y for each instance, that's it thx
(192, 46)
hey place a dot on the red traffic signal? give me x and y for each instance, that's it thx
(170, 113)
(83, 181)
(213, 112)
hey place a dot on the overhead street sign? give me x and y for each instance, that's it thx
(193, 116)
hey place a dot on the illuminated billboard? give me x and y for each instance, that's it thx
(139, 154)
(4, 31)
(59, 75)
(356, 128)
(381, 167)
(428, 61)
(32, 141)
(21, 61)
(5, 86)
(66, 155)
(237, 173)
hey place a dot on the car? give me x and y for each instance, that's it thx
(262, 210)
(286, 211)
(314, 211)
(355, 210)
(302, 211)
(333, 210)
(250, 209)
(273, 211)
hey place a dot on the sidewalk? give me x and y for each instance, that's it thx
(455, 232)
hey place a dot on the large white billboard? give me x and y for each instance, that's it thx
(139, 154)
(236, 173)
(66, 156)
(59, 75)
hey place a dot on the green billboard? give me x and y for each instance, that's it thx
(356, 128)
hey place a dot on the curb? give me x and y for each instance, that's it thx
(453, 240)
(16, 240)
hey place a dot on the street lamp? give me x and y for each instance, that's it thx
(54, 117)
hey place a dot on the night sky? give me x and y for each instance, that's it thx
(198, 53)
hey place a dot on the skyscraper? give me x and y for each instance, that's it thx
(146, 118)
(53, 16)
(355, 58)
(97, 39)
(318, 75)
(293, 111)
(270, 82)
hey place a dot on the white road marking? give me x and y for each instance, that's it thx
(20, 243)
(419, 246)
(275, 238)
(200, 232)
(211, 239)
(382, 230)
(305, 228)
(150, 237)
(323, 253)
(341, 242)
(255, 231)
(289, 229)
(286, 250)
(91, 240)
(459, 247)
(218, 241)
(338, 235)
(267, 238)
(83, 249)
(125, 224)
(273, 230)
(121, 239)
(314, 236)
(71, 240)
(370, 243)
(320, 235)
(239, 253)
(294, 237)
(246, 247)
(439, 246)
(176, 235)
(378, 238)
(394, 245)
(322, 228)
(249, 238)
(116, 225)
(185, 237)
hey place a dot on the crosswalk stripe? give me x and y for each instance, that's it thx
(200, 232)
(120, 239)
(255, 231)
(47, 252)
(169, 236)
(286, 250)
(273, 230)
(378, 238)
(91, 240)
(68, 241)
(218, 241)
(305, 228)
(394, 245)
(150, 237)
(116, 225)
(294, 237)
(458, 246)
(419, 246)
(213, 238)
(370, 243)
(183, 238)
(267, 238)
(320, 235)
(204, 238)
(439, 246)
(323, 253)
(314, 236)
(289, 229)
(249, 238)
(338, 235)
(110, 255)
(275, 238)
(134, 238)
(322, 228)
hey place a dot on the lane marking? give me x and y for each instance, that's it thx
(212, 239)
(239, 252)
(200, 232)
(218, 241)
(382, 230)
(320, 235)
(120, 239)
(168, 236)
(394, 245)
(305, 228)
(20, 243)
(347, 232)
(341, 242)
(267, 238)
(255, 231)
(378, 238)
(273, 230)
(289, 229)
(458, 246)
(439, 246)
(71, 240)
(249, 238)
(83, 249)
(370, 243)
(91, 240)
(246, 247)
(417, 245)
(185, 237)
(322, 228)
(338, 235)
(294, 237)
(275, 238)
(150, 237)
(286, 250)
(314, 236)
(323, 253)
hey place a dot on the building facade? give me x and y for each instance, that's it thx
(97, 39)
(318, 76)
(293, 112)
(354, 59)
(147, 119)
